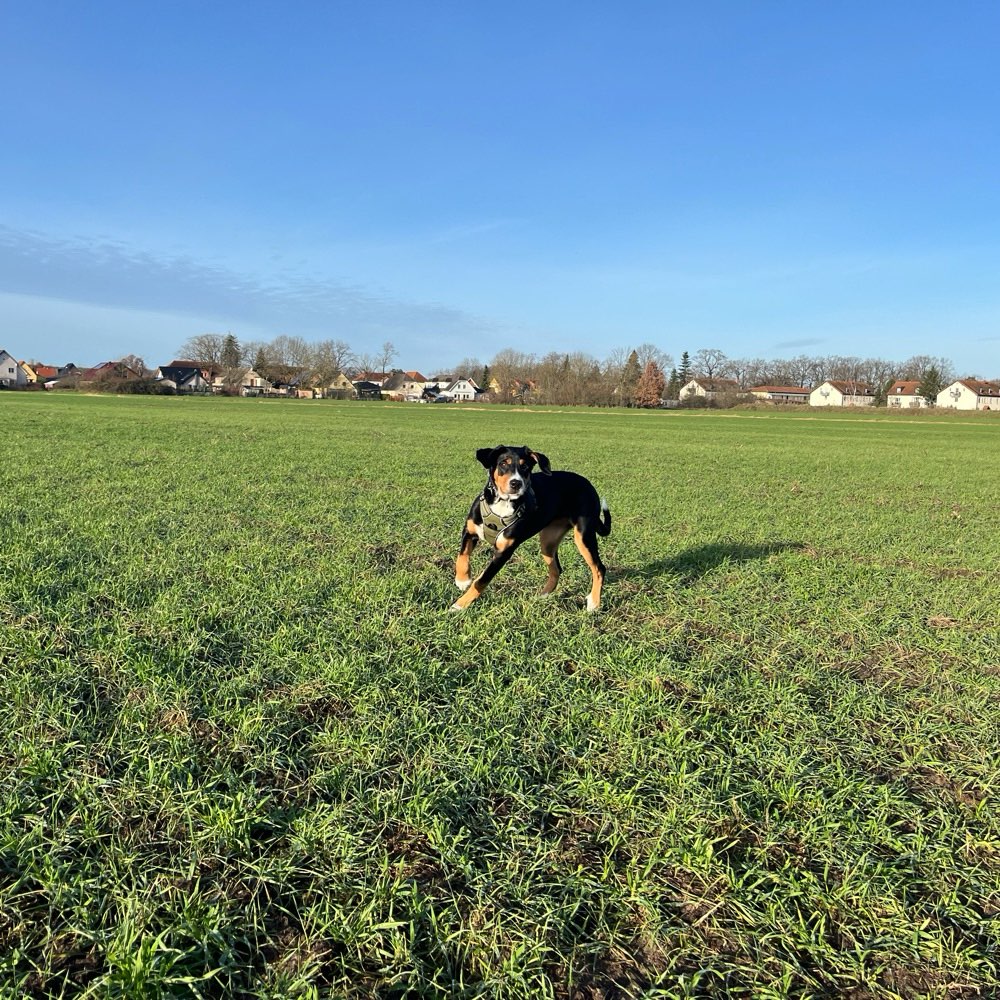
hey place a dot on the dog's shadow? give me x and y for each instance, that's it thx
(689, 565)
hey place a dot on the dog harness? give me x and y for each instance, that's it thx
(494, 525)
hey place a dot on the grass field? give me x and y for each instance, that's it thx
(247, 751)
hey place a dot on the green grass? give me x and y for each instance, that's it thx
(247, 751)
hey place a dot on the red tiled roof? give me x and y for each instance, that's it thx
(981, 387)
(852, 388)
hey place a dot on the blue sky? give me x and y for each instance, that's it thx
(767, 179)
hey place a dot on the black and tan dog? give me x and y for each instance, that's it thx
(513, 506)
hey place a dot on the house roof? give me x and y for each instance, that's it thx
(712, 384)
(454, 382)
(981, 386)
(850, 388)
(904, 387)
(180, 373)
(117, 367)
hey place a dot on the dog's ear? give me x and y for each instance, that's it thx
(485, 456)
(543, 462)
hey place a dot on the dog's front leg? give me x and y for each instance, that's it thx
(469, 539)
(504, 550)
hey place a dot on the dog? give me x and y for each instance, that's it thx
(514, 506)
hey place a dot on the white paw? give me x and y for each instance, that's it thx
(463, 584)
(591, 606)
(456, 607)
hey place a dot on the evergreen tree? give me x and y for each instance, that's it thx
(230, 358)
(230, 352)
(931, 383)
(673, 390)
(631, 374)
(685, 370)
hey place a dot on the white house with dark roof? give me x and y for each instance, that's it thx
(463, 390)
(183, 378)
(835, 392)
(970, 394)
(12, 375)
(708, 388)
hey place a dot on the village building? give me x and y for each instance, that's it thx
(708, 388)
(462, 390)
(184, 377)
(905, 394)
(407, 386)
(970, 394)
(835, 392)
(781, 393)
(12, 373)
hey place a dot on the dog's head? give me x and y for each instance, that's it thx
(509, 469)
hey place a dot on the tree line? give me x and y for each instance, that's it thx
(645, 375)
(638, 376)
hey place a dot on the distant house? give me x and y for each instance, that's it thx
(183, 378)
(905, 394)
(462, 390)
(109, 371)
(708, 388)
(12, 375)
(378, 378)
(781, 393)
(842, 393)
(245, 381)
(339, 387)
(405, 385)
(45, 373)
(970, 394)
(365, 389)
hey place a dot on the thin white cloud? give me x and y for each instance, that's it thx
(105, 272)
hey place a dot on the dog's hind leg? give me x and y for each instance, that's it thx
(550, 537)
(586, 541)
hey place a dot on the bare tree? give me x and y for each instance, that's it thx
(650, 352)
(801, 370)
(386, 354)
(738, 369)
(329, 358)
(708, 362)
(510, 369)
(205, 348)
(914, 368)
(134, 362)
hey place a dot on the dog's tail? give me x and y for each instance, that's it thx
(603, 527)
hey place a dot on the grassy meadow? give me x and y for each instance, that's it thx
(247, 750)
